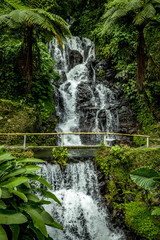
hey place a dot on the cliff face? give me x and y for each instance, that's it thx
(14, 117)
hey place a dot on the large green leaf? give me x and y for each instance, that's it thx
(37, 219)
(5, 157)
(5, 166)
(39, 179)
(32, 168)
(48, 194)
(1, 149)
(14, 182)
(20, 195)
(11, 217)
(50, 221)
(3, 235)
(30, 160)
(14, 173)
(39, 235)
(5, 193)
(32, 197)
(0, 192)
(15, 231)
(2, 205)
(144, 177)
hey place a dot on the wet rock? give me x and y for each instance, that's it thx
(75, 58)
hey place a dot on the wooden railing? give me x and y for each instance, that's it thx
(75, 133)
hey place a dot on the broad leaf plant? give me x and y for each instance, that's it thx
(22, 215)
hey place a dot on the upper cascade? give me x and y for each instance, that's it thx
(83, 103)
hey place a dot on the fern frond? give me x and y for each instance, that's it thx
(134, 5)
(16, 4)
(155, 1)
(109, 12)
(118, 14)
(156, 211)
(147, 13)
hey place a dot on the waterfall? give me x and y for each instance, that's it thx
(82, 213)
(82, 104)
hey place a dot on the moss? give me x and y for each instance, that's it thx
(121, 190)
(15, 117)
(139, 219)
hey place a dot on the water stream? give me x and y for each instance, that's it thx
(83, 213)
(82, 104)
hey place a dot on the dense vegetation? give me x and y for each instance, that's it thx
(22, 215)
(138, 207)
(126, 33)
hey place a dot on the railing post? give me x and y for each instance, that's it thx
(62, 140)
(105, 140)
(24, 142)
(147, 142)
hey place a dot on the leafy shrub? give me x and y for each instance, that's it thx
(60, 155)
(22, 154)
(22, 215)
(121, 155)
(101, 73)
(140, 220)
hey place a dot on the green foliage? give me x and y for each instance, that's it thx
(101, 73)
(22, 154)
(22, 215)
(146, 178)
(121, 190)
(121, 155)
(140, 220)
(35, 23)
(60, 156)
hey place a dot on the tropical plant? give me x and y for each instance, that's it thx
(121, 155)
(22, 215)
(60, 156)
(33, 21)
(139, 14)
(148, 179)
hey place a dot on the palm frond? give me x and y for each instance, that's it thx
(16, 4)
(109, 12)
(155, 1)
(147, 13)
(134, 5)
(118, 14)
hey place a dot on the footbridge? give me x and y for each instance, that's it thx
(105, 134)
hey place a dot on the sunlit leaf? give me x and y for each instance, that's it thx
(11, 217)
(15, 231)
(3, 234)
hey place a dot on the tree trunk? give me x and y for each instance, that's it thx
(141, 58)
(29, 60)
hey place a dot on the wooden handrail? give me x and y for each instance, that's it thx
(75, 133)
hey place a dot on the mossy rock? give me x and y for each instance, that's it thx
(139, 219)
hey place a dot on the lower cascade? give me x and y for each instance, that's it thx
(83, 214)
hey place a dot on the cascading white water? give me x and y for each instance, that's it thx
(74, 64)
(81, 213)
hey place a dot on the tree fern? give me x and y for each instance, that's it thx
(30, 17)
(148, 12)
(141, 12)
